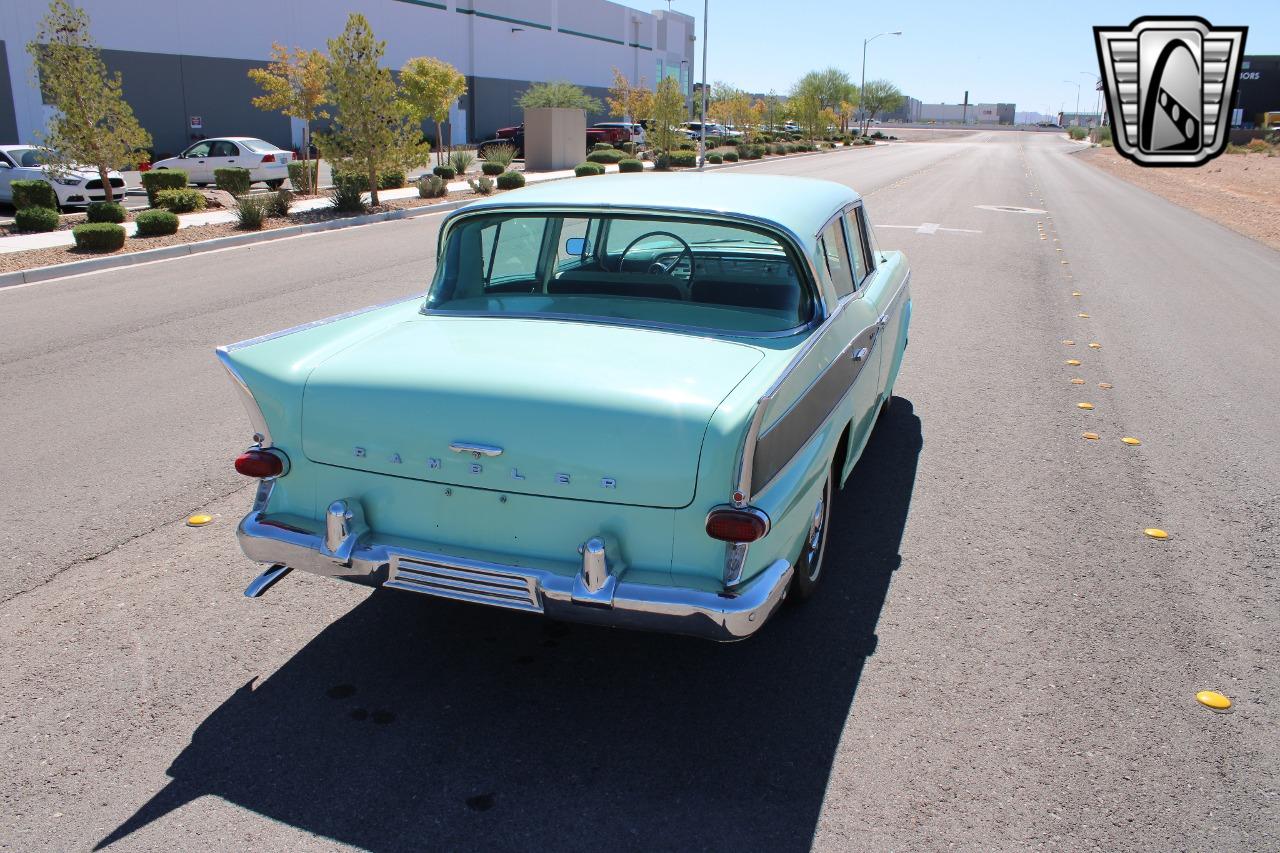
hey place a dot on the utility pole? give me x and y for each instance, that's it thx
(1076, 83)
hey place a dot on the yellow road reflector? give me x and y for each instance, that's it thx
(1131, 441)
(1077, 381)
(1106, 386)
(1213, 699)
(1064, 261)
(1156, 533)
(1083, 316)
(200, 519)
(1086, 406)
(1094, 345)
(1069, 343)
(1092, 436)
(1074, 362)
(1076, 293)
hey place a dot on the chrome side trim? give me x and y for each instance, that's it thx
(419, 567)
(304, 326)
(476, 450)
(261, 433)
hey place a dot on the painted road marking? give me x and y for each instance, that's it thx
(932, 227)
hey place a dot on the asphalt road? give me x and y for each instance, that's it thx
(998, 659)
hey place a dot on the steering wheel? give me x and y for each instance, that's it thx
(657, 265)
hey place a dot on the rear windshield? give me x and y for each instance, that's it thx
(660, 270)
(257, 146)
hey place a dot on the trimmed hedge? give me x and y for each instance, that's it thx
(392, 179)
(510, 181)
(180, 201)
(105, 211)
(750, 152)
(730, 156)
(630, 165)
(715, 159)
(163, 179)
(606, 155)
(627, 147)
(34, 194)
(36, 218)
(156, 223)
(99, 236)
(586, 170)
(683, 158)
(492, 169)
(446, 172)
(602, 146)
(233, 179)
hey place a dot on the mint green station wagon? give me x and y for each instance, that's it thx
(625, 400)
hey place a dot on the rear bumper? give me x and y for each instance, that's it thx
(590, 592)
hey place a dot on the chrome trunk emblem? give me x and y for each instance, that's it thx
(476, 450)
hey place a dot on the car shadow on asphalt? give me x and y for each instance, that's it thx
(413, 723)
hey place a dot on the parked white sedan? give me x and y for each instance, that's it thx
(266, 162)
(75, 185)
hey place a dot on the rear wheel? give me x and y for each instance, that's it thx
(808, 566)
(274, 185)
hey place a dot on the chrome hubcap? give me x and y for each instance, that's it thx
(813, 555)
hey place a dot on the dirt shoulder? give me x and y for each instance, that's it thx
(1240, 191)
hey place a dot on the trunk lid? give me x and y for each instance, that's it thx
(579, 411)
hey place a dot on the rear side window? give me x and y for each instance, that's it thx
(860, 268)
(836, 256)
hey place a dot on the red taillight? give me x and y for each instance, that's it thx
(260, 463)
(268, 158)
(729, 524)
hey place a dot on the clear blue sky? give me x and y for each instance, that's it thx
(1020, 52)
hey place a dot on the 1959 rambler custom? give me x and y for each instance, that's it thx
(624, 400)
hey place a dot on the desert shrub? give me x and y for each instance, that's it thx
(296, 175)
(250, 211)
(98, 236)
(392, 179)
(1077, 132)
(662, 163)
(348, 191)
(278, 203)
(630, 165)
(602, 146)
(34, 194)
(36, 218)
(156, 223)
(879, 134)
(432, 186)
(482, 185)
(492, 169)
(606, 155)
(750, 152)
(627, 147)
(510, 181)
(1258, 145)
(233, 179)
(586, 170)
(1232, 148)
(163, 179)
(684, 158)
(503, 155)
(730, 156)
(715, 158)
(446, 172)
(104, 211)
(686, 145)
(461, 160)
(180, 200)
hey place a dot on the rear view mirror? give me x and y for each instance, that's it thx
(575, 246)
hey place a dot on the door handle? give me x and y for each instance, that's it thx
(882, 320)
(860, 354)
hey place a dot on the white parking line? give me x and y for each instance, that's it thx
(932, 227)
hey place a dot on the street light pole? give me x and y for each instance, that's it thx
(1097, 106)
(1077, 85)
(863, 85)
(702, 144)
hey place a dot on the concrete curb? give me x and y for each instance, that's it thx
(129, 259)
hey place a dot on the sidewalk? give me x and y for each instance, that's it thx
(52, 239)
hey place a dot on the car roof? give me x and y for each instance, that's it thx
(800, 205)
(234, 139)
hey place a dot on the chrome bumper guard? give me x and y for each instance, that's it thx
(591, 593)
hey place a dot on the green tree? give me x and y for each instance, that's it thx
(830, 86)
(879, 96)
(295, 84)
(94, 125)
(666, 115)
(372, 132)
(428, 88)
(558, 93)
(805, 105)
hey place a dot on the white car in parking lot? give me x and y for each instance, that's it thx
(73, 185)
(266, 162)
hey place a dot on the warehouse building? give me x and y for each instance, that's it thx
(185, 71)
(1257, 91)
(967, 113)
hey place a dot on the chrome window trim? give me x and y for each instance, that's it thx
(653, 325)
(794, 240)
